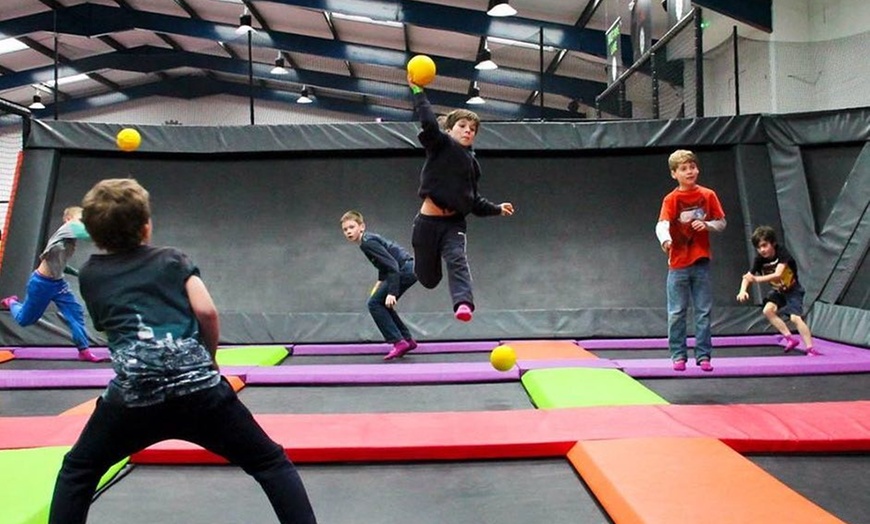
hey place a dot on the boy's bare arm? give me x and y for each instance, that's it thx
(205, 312)
(743, 294)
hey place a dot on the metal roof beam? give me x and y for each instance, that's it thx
(93, 19)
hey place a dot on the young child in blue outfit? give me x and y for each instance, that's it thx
(47, 285)
(395, 275)
(448, 187)
(163, 329)
(775, 265)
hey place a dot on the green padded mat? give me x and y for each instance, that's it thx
(585, 387)
(27, 482)
(251, 356)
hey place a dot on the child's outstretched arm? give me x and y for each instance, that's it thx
(743, 294)
(205, 312)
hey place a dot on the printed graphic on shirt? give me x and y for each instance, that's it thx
(148, 363)
(687, 212)
(785, 282)
(687, 216)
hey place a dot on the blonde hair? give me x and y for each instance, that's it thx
(681, 156)
(354, 215)
(72, 213)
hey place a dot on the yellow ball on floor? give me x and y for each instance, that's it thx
(503, 358)
(128, 139)
(422, 70)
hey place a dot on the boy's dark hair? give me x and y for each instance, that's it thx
(115, 213)
(763, 233)
(458, 114)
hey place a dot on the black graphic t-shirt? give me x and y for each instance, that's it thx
(138, 298)
(766, 266)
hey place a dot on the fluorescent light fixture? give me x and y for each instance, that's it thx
(475, 98)
(503, 8)
(484, 61)
(518, 43)
(367, 20)
(304, 98)
(10, 45)
(279, 68)
(67, 80)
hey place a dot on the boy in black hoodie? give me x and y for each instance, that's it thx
(448, 187)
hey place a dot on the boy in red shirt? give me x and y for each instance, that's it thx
(688, 214)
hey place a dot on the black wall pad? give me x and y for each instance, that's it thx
(257, 208)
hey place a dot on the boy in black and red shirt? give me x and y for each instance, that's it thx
(775, 265)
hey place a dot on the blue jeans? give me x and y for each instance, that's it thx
(41, 291)
(387, 319)
(213, 418)
(694, 282)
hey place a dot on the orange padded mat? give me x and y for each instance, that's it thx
(667, 480)
(548, 350)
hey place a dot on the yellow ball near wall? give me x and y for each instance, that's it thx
(128, 139)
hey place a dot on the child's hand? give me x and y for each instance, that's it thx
(699, 225)
(411, 81)
(507, 209)
(390, 301)
(666, 246)
(743, 296)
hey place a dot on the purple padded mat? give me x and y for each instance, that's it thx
(76, 378)
(749, 366)
(383, 348)
(55, 353)
(662, 343)
(55, 378)
(392, 373)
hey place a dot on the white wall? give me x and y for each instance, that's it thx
(814, 60)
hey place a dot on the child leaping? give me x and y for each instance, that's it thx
(448, 187)
(775, 265)
(46, 284)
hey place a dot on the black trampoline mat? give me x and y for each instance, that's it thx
(718, 352)
(412, 357)
(762, 390)
(837, 483)
(43, 402)
(480, 492)
(400, 398)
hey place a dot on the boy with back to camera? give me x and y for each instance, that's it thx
(47, 284)
(448, 187)
(395, 275)
(162, 329)
(774, 264)
(687, 216)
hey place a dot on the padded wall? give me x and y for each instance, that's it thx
(257, 208)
